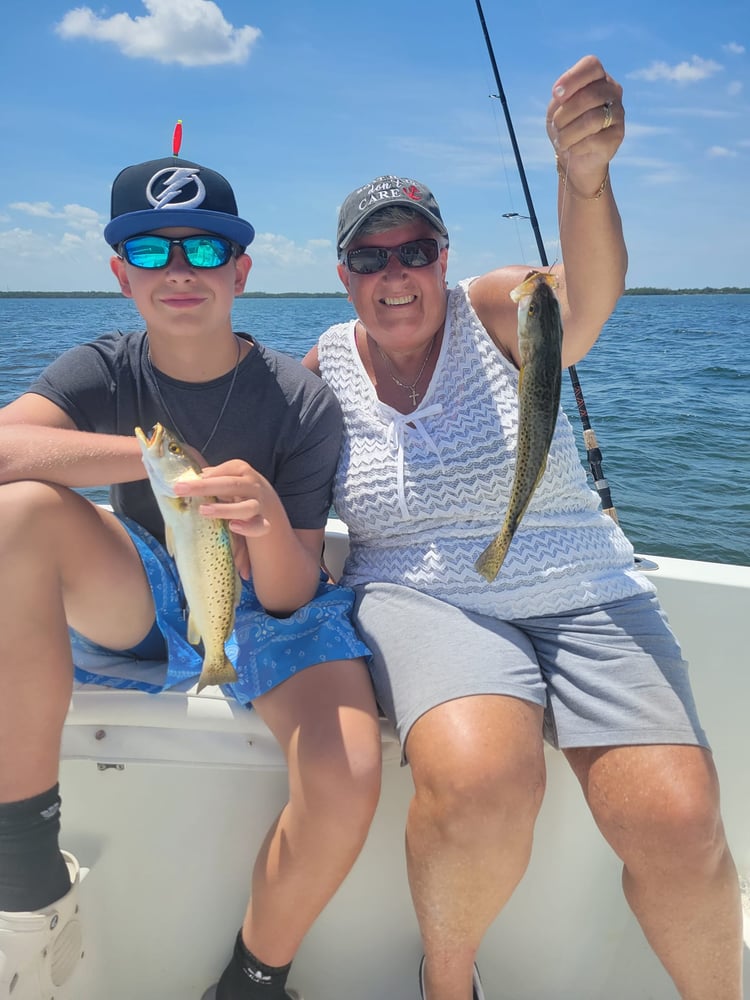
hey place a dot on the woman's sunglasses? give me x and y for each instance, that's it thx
(415, 253)
(153, 252)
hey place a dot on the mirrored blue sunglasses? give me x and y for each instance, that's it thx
(153, 252)
(415, 253)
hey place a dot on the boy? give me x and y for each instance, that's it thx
(81, 585)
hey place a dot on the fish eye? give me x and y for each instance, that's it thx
(175, 448)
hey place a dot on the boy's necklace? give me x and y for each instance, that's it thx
(410, 388)
(224, 405)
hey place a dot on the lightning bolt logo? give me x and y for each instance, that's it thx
(173, 188)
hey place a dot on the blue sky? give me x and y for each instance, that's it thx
(300, 102)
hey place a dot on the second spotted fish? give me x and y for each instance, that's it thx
(540, 349)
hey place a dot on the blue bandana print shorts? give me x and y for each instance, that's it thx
(264, 650)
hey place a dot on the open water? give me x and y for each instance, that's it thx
(667, 389)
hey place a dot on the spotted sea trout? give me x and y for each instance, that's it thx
(201, 549)
(540, 349)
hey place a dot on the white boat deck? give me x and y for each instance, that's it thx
(167, 798)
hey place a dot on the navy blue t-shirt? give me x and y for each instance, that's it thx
(281, 418)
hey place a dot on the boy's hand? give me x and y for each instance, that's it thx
(244, 499)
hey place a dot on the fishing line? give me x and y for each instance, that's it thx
(564, 202)
(593, 452)
(513, 215)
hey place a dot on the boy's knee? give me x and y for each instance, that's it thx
(345, 776)
(26, 502)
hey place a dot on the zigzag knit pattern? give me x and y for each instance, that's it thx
(424, 493)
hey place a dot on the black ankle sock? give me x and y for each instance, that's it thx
(247, 978)
(33, 872)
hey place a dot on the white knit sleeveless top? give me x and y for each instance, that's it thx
(423, 493)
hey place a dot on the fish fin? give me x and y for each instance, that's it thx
(526, 287)
(549, 279)
(169, 539)
(221, 673)
(193, 633)
(489, 562)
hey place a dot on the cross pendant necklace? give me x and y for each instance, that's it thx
(411, 388)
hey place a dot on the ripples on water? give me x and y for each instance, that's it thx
(667, 389)
(668, 393)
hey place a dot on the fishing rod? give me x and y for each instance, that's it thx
(593, 452)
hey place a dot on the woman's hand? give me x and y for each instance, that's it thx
(586, 124)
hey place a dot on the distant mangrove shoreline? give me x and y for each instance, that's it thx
(342, 295)
(687, 291)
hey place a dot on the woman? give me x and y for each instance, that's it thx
(568, 643)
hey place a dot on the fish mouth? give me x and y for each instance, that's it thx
(152, 441)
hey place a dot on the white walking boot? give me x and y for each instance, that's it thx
(40, 950)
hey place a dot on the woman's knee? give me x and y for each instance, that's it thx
(479, 757)
(481, 791)
(670, 818)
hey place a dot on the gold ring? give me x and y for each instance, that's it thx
(607, 109)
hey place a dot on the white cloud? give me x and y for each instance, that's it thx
(720, 152)
(684, 72)
(39, 209)
(47, 243)
(76, 216)
(283, 252)
(663, 177)
(643, 162)
(634, 130)
(35, 261)
(694, 112)
(71, 241)
(80, 217)
(735, 48)
(188, 32)
(734, 88)
(18, 242)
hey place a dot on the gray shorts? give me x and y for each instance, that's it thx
(606, 676)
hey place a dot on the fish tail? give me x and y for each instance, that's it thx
(219, 671)
(490, 561)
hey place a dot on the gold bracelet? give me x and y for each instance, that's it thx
(563, 174)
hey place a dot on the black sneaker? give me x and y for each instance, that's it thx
(478, 991)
